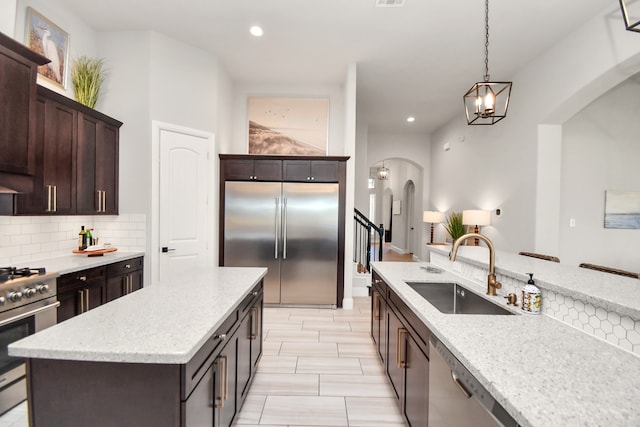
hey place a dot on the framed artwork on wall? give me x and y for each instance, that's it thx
(50, 41)
(288, 126)
(622, 209)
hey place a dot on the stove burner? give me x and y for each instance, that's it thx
(9, 273)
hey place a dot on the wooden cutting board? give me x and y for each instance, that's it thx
(99, 252)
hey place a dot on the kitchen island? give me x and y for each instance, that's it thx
(540, 370)
(154, 357)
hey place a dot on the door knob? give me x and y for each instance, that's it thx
(167, 249)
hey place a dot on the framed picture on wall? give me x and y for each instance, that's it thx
(293, 126)
(50, 41)
(622, 209)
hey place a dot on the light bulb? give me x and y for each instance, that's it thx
(488, 101)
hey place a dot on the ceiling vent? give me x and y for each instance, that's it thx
(389, 3)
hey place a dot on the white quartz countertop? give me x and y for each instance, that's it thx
(76, 262)
(165, 323)
(543, 372)
(613, 292)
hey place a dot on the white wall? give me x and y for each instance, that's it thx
(408, 156)
(600, 151)
(497, 166)
(8, 17)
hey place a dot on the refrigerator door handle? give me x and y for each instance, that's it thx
(284, 229)
(277, 222)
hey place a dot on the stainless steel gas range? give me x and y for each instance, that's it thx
(28, 304)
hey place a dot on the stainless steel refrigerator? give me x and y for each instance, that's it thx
(290, 228)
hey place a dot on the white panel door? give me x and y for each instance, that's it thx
(183, 201)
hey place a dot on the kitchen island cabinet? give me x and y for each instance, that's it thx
(540, 371)
(167, 355)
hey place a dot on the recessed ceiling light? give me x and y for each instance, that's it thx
(411, 119)
(256, 31)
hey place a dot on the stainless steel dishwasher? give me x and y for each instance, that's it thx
(456, 398)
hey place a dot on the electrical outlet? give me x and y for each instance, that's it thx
(572, 222)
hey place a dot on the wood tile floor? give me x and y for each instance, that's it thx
(319, 368)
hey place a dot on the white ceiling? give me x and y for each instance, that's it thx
(417, 60)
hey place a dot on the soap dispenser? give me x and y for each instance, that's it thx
(531, 297)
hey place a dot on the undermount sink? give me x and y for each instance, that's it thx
(451, 298)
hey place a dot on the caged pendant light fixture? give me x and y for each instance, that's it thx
(383, 172)
(486, 103)
(635, 10)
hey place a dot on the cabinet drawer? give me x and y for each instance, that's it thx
(124, 267)
(83, 278)
(250, 299)
(199, 363)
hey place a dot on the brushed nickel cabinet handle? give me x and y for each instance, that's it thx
(253, 334)
(224, 382)
(87, 297)
(376, 305)
(48, 198)
(81, 292)
(55, 198)
(400, 357)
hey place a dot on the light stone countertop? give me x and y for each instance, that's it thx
(164, 323)
(612, 292)
(543, 372)
(76, 262)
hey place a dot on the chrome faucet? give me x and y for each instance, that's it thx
(492, 283)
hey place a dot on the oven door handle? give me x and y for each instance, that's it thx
(30, 313)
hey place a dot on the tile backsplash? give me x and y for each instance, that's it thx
(27, 238)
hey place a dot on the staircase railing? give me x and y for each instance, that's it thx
(368, 239)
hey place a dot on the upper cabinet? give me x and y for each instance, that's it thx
(18, 71)
(243, 167)
(76, 161)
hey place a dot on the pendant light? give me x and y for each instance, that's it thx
(383, 173)
(625, 14)
(486, 103)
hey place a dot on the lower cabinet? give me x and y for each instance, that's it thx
(84, 290)
(402, 343)
(227, 373)
(207, 391)
(81, 291)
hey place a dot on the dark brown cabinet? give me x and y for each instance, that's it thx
(54, 180)
(84, 290)
(249, 169)
(97, 165)
(402, 343)
(310, 171)
(81, 291)
(76, 161)
(124, 277)
(18, 71)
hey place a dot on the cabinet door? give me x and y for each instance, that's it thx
(238, 169)
(416, 392)
(256, 333)
(267, 170)
(396, 353)
(296, 170)
(244, 357)
(324, 170)
(86, 165)
(116, 287)
(17, 110)
(68, 305)
(107, 168)
(379, 325)
(225, 396)
(199, 407)
(55, 160)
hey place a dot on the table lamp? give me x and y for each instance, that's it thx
(433, 217)
(476, 218)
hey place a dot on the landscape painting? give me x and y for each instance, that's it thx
(622, 209)
(50, 41)
(288, 126)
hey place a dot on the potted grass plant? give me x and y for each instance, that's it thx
(87, 76)
(454, 226)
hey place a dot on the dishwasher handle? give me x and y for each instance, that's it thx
(461, 386)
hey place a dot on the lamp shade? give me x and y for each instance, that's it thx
(434, 217)
(476, 217)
